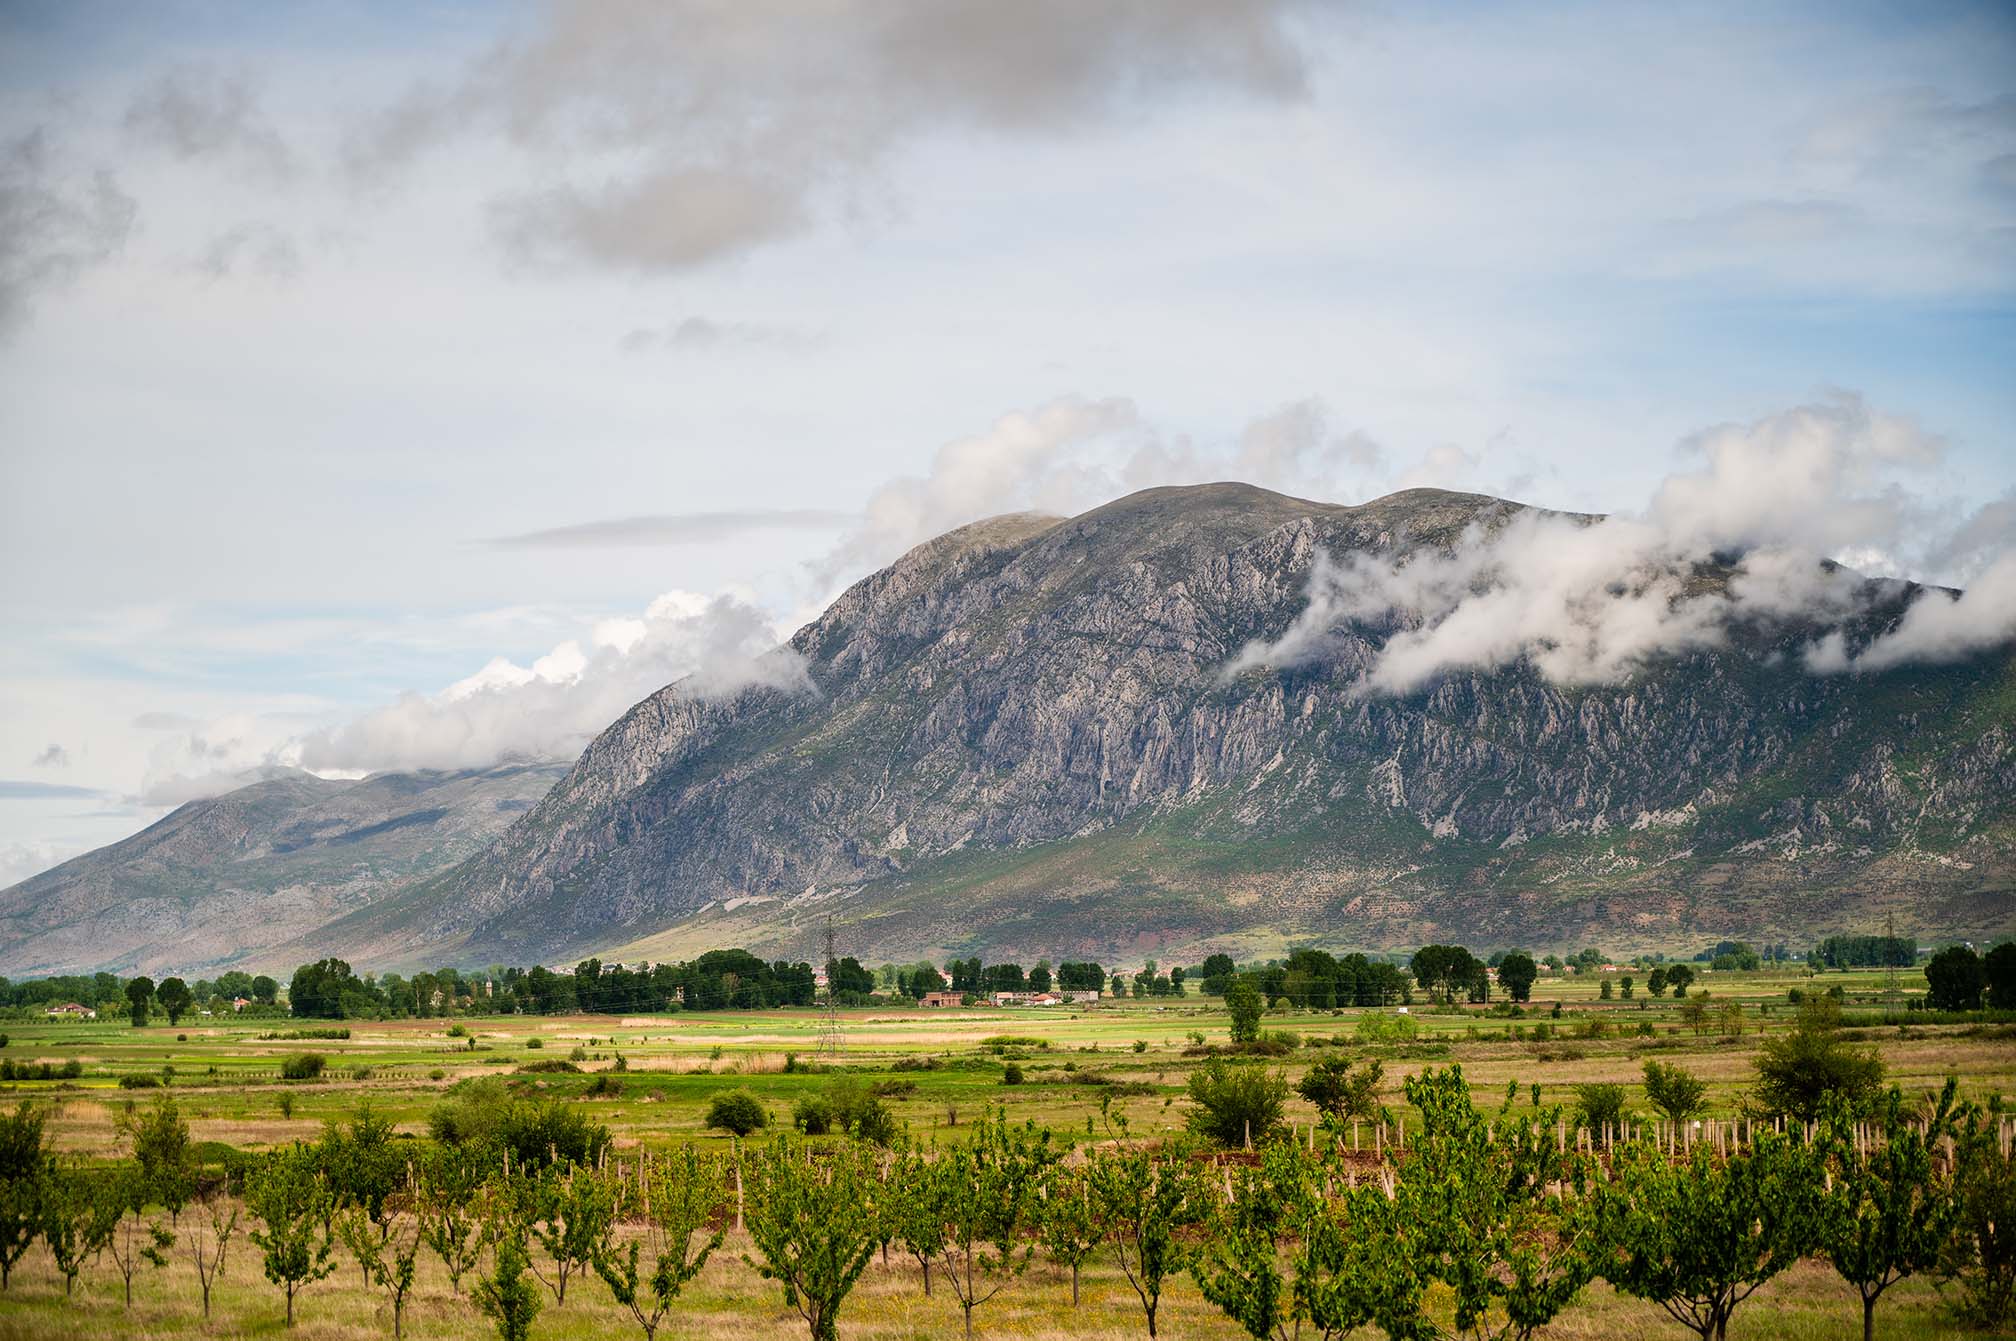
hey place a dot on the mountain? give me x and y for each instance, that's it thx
(225, 881)
(1020, 739)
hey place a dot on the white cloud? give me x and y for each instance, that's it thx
(550, 710)
(1593, 602)
(1937, 627)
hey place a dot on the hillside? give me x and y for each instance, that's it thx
(1023, 742)
(221, 882)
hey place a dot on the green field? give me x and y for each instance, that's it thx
(1130, 1055)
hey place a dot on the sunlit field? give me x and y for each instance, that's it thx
(940, 1072)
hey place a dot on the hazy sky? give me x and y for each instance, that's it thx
(408, 385)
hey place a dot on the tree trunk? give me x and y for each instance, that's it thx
(290, 1305)
(1868, 1317)
(1074, 1285)
(927, 1278)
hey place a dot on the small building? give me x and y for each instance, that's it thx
(72, 1010)
(941, 1000)
(1046, 999)
(240, 1002)
(1082, 997)
(1011, 998)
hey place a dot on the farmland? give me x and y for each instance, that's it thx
(939, 1073)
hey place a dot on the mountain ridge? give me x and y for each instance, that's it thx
(1033, 712)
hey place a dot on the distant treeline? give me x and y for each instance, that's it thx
(1865, 952)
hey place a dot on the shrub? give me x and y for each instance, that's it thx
(861, 1113)
(535, 1042)
(737, 1111)
(1140, 1045)
(1386, 1029)
(1011, 1074)
(1599, 1105)
(536, 1132)
(548, 1066)
(303, 1066)
(1675, 1092)
(437, 1074)
(894, 1089)
(915, 1064)
(139, 1082)
(577, 1054)
(1236, 1103)
(604, 1086)
(1796, 1070)
(1332, 1087)
(812, 1115)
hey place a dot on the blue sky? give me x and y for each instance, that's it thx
(303, 308)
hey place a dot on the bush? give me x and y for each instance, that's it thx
(1236, 1103)
(861, 1113)
(139, 1082)
(482, 1113)
(303, 1066)
(812, 1115)
(437, 1074)
(603, 1087)
(915, 1064)
(737, 1111)
(1798, 1069)
(1675, 1092)
(1332, 1087)
(1386, 1029)
(1599, 1105)
(1011, 1074)
(548, 1066)
(535, 1042)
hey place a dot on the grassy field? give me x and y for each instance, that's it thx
(1131, 1054)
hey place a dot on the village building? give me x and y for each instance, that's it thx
(941, 1000)
(72, 1010)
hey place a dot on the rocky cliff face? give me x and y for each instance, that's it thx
(232, 880)
(1023, 740)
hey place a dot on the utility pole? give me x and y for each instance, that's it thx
(830, 1045)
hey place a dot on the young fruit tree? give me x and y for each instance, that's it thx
(569, 1213)
(912, 1211)
(451, 1210)
(220, 1218)
(1150, 1204)
(814, 1223)
(676, 1202)
(505, 1297)
(1484, 1200)
(1070, 1224)
(79, 1214)
(1884, 1215)
(135, 1241)
(1980, 1255)
(24, 1169)
(1298, 1252)
(986, 1199)
(287, 1195)
(1699, 1236)
(387, 1252)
